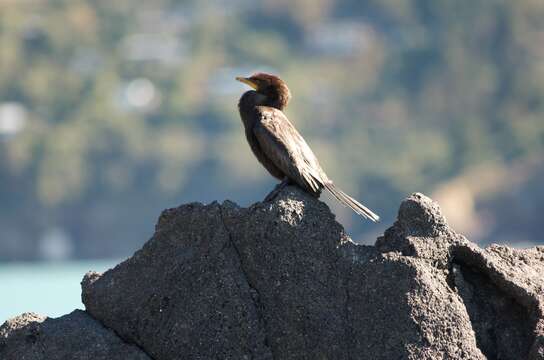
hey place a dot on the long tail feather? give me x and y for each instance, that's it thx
(351, 202)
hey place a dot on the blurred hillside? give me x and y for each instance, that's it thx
(113, 110)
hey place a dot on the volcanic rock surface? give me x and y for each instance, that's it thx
(281, 280)
(73, 336)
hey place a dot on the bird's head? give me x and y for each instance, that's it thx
(275, 90)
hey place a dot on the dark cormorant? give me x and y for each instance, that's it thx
(279, 146)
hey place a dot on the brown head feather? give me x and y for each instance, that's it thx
(273, 88)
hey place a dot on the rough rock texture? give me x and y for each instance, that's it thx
(75, 336)
(281, 280)
(503, 292)
(184, 292)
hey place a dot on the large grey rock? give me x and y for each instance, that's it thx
(75, 336)
(282, 280)
(184, 294)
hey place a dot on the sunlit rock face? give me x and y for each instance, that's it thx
(281, 280)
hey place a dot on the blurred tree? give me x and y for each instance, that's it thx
(113, 111)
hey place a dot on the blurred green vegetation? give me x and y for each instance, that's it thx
(124, 108)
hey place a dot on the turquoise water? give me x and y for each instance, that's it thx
(51, 289)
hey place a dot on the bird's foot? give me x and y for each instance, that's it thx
(272, 195)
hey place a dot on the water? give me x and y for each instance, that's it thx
(51, 289)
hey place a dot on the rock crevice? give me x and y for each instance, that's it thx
(502, 326)
(255, 295)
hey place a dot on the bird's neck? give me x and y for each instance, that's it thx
(251, 99)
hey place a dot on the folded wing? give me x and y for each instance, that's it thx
(283, 144)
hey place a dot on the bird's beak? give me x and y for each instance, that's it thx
(247, 81)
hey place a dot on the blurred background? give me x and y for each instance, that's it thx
(111, 111)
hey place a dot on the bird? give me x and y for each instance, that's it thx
(279, 147)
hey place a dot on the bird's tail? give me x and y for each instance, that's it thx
(351, 202)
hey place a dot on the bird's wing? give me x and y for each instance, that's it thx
(283, 144)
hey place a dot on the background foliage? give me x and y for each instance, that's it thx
(113, 110)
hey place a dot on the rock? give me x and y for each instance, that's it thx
(420, 231)
(184, 292)
(323, 297)
(74, 336)
(503, 291)
(281, 280)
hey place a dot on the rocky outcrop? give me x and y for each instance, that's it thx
(281, 280)
(73, 336)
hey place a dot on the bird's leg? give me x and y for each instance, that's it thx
(286, 181)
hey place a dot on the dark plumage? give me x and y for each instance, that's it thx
(279, 146)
